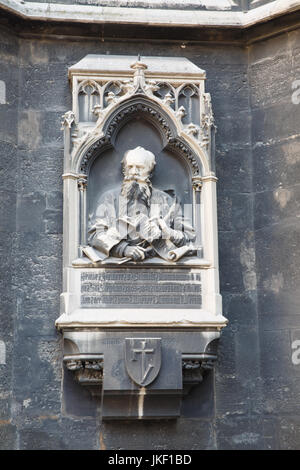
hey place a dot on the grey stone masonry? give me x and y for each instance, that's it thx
(252, 400)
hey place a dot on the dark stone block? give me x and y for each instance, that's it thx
(276, 304)
(276, 354)
(117, 407)
(40, 303)
(232, 396)
(82, 434)
(38, 246)
(6, 253)
(237, 262)
(268, 50)
(208, 56)
(183, 434)
(294, 42)
(7, 211)
(5, 403)
(277, 264)
(8, 436)
(38, 129)
(30, 210)
(8, 165)
(226, 362)
(282, 321)
(271, 432)
(275, 206)
(234, 212)
(45, 86)
(240, 309)
(40, 319)
(281, 396)
(230, 89)
(233, 168)
(199, 402)
(41, 170)
(268, 125)
(8, 125)
(233, 130)
(43, 434)
(247, 357)
(276, 77)
(53, 221)
(289, 432)
(9, 48)
(54, 200)
(6, 378)
(276, 164)
(38, 394)
(240, 433)
(76, 400)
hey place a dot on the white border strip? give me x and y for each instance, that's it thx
(146, 16)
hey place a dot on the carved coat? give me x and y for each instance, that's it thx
(107, 234)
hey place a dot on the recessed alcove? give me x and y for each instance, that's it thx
(171, 173)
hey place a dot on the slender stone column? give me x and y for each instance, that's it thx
(212, 299)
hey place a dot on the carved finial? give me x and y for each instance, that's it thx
(139, 75)
(181, 112)
(138, 65)
(168, 99)
(192, 129)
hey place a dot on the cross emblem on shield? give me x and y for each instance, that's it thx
(143, 359)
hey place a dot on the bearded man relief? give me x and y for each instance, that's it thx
(137, 221)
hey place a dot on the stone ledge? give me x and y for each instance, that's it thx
(145, 16)
(178, 318)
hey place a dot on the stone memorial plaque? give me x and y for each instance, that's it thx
(141, 309)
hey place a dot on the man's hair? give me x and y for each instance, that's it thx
(150, 157)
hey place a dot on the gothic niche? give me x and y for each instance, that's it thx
(140, 233)
(139, 197)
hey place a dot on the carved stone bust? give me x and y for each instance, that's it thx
(137, 221)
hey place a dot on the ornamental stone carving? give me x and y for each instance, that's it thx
(140, 233)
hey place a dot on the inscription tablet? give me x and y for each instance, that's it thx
(125, 288)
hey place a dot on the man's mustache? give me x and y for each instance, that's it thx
(140, 179)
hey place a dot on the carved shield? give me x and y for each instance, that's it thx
(143, 359)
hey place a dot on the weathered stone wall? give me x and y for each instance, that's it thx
(250, 401)
(8, 196)
(274, 66)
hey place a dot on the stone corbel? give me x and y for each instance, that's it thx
(67, 120)
(197, 183)
(89, 371)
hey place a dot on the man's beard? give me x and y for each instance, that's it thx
(137, 191)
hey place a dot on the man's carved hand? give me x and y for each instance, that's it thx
(176, 236)
(137, 253)
(151, 230)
